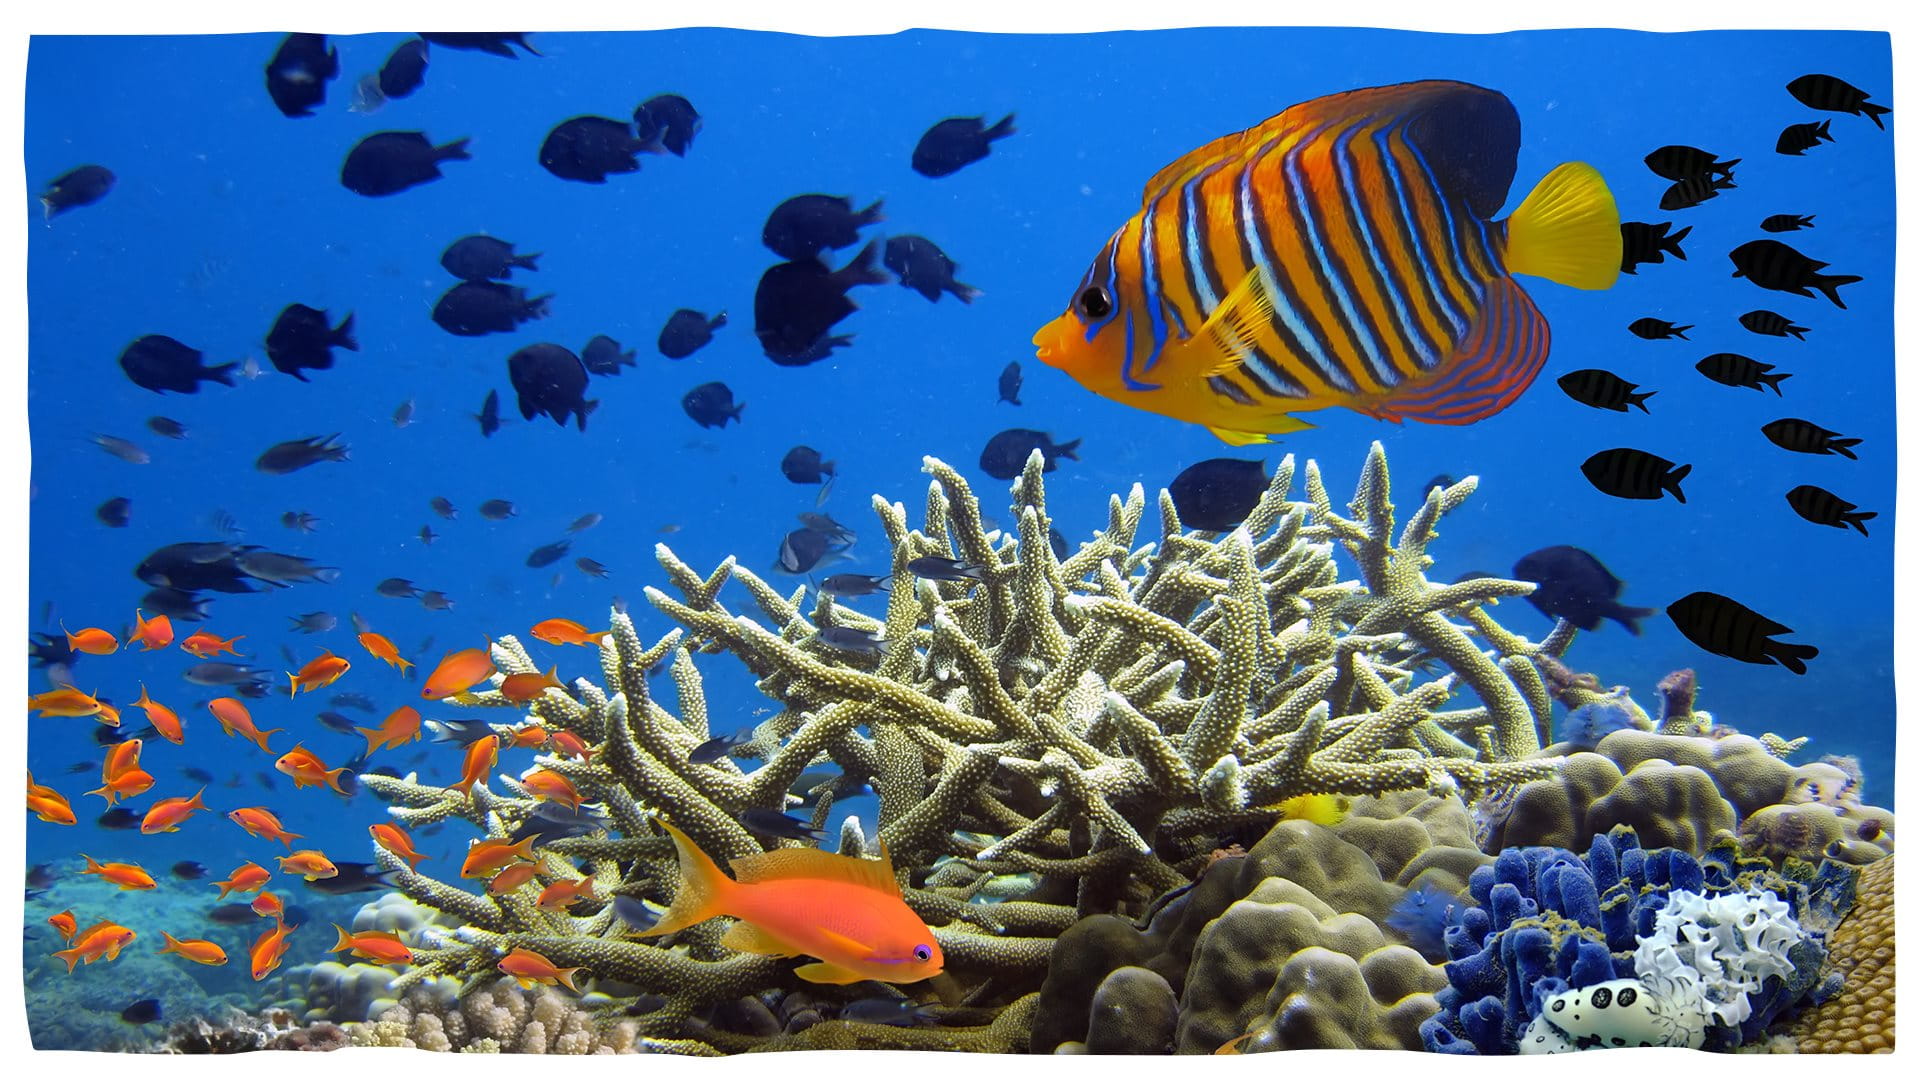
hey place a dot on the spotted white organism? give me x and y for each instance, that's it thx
(1615, 1013)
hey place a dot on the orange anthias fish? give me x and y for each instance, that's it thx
(267, 950)
(550, 785)
(236, 720)
(320, 671)
(529, 968)
(529, 685)
(65, 923)
(121, 775)
(531, 737)
(401, 726)
(309, 864)
(66, 701)
(486, 857)
(562, 895)
(512, 878)
(246, 877)
(50, 805)
(167, 814)
(1342, 253)
(481, 756)
(457, 673)
(308, 770)
(197, 950)
(206, 645)
(93, 641)
(164, 720)
(566, 632)
(801, 901)
(154, 633)
(394, 839)
(102, 939)
(128, 876)
(572, 745)
(379, 946)
(381, 649)
(268, 906)
(261, 822)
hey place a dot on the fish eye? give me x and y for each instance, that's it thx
(1093, 302)
(922, 953)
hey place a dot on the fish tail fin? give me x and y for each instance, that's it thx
(1774, 379)
(1671, 244)
(537, 308)
(1874, 113)
(1640, 400)
(195, 803)
(345, 941)
(1823, 131)
(526, 262)
(1567, 230)
(71, 956)
(172, 945)
(1066, 449)
(1005, 128)
(1854, 519)
(1681, 331)
(966, 293)
(1799, 333)
(871, 215)
(861, 270)
(1671, 481)
(1829, 284)
(1630, 617)
(343, 334)
(1792, 657)
(703, 888)
(720, 320)
(453, 151)
(1844, 447)
(333, 779)
(565, 977)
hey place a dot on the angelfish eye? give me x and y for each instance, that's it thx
(1093, 302)
(922, 953)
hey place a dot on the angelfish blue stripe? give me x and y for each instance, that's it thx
(1381, 269)
(1150, 292)
(1358, 326)
(1282, 303)
(1424, 257)
(1445, 209)
(1195, 257)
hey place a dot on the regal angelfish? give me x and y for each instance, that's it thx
(1341, 253)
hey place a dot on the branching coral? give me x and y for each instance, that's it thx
(1095, 724)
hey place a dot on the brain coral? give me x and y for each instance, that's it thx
(1858, 1019)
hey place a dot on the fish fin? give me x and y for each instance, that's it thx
(1218, 348)
(702, 887)
(1874, 113)
(1843, 447)
(1671, 482)
(1854, 519)
(787, 864)
(1787, 655)
(748, 938)
(824, 972)
(1567, 230)
(1491, 367)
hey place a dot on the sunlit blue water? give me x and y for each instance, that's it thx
(226, 212)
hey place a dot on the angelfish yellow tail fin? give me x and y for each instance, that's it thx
(703, 887)
(1567, 230)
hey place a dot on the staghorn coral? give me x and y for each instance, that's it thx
(1859, 1018)
(1095, 726)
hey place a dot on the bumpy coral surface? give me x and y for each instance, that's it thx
(1087, 728)
(1859, 1018)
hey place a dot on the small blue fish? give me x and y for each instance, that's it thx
(895, 1012)
(776, 824)
(711, 751)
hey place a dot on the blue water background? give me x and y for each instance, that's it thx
(226, 212)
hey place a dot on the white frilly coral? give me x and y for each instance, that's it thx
(1717, 950)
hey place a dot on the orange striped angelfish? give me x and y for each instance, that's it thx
(1342, 253)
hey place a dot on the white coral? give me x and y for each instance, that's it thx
(1718, 950)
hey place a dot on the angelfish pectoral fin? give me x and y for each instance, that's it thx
(1220, 345)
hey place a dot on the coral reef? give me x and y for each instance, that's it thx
(1095, 725)
(1635, 930)
(1859, 1018)
(498, 1019)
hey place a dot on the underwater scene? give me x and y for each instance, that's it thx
(706, 541)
